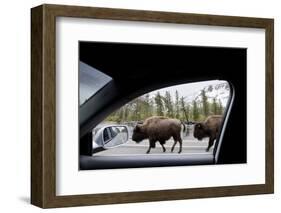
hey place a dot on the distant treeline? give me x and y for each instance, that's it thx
(163, 105)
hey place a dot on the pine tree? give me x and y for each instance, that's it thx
(205, 104)
(195, 111)
(214, 107)
(147, 106)
(119, 115)
(184, 109)
(210, 88)
(159, 104)
(126, 112)
(177, 105)
(220, 108)
(136, 114)
(168, 105)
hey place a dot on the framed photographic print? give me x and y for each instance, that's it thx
(136, 106)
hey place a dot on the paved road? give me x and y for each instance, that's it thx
(190, 146)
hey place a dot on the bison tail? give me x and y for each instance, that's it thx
(184, 128)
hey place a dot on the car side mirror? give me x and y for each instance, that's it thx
(111, 136)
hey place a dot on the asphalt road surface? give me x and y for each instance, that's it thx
(190, 146)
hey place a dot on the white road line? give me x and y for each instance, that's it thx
(154, 154)
(136, 146)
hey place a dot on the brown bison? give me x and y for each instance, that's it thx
(158, 128)
(209, 128)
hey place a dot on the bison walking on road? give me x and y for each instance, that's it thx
(210, 128)
(159, 128)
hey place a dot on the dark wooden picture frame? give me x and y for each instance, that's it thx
(43, 105)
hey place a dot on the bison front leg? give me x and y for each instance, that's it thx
(163, 147)
(151, 144)
(211, 142)
(149, 148)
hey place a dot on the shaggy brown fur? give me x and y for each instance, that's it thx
(210, 128)
(158, 128)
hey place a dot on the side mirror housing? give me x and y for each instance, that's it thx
(110, 136)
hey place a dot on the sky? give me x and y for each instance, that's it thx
(187, 89)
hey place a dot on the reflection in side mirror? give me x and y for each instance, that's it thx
(111, 136)
(114, 136)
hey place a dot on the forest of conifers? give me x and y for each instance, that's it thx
(164, 105)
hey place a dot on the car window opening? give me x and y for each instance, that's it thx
(197, 109)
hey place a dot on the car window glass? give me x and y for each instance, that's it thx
(190, 103)
(91, 81)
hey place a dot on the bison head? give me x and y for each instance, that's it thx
(199, 131)
(138, 134)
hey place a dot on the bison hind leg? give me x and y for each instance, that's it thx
(177, 138)
(173, 147)
(162, 142)
(163, 147)
(148, 151)
(180, 141)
